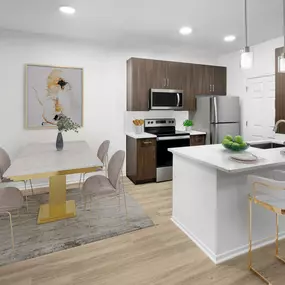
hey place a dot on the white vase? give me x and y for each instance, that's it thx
(188, 129)
(138, 130)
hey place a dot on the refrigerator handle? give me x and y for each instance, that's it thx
(215, 110)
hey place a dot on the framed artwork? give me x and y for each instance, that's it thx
(50, 92)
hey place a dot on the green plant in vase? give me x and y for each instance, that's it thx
(64, 124)
(188, 124)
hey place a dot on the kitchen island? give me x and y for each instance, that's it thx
(210, 199)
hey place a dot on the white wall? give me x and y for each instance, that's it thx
(264, 64)
(104, 85)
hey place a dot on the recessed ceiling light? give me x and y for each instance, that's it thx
(185, 31)
(230, 38)
(67, 10)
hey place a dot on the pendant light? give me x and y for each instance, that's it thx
(246, 59)
(281, 59)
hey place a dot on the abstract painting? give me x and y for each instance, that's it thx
(50, 92)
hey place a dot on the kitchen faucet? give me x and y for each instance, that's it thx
(277, 124)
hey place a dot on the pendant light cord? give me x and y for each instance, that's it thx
(245, 21)
(284, 24)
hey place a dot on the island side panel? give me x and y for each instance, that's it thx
(232, 201)
(195, 202)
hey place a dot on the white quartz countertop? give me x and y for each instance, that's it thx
(217, 156)
(149, 136)
(196, 133)
(140, 136)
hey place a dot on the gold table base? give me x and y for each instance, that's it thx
(58, 208)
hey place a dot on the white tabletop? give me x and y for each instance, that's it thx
(217, 156)
(43, 158)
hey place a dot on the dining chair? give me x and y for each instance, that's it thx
(5, 163)
(11, 199)
(268, 193)
(101, 186)
(102, 154)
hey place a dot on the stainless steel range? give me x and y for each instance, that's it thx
(167, 137)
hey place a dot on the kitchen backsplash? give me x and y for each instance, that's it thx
(180, 117)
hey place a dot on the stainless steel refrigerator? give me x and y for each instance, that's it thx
(218, 116)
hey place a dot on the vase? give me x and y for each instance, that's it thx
(138, 130)
(188, 129)
(59, 142)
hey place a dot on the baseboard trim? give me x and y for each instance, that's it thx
(228, 255)
(200, 244)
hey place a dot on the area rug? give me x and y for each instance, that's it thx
(103, 218)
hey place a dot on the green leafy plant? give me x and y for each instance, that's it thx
(188, 123)
(65, 124)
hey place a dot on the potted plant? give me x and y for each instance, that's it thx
(64, 124)
(188, 124)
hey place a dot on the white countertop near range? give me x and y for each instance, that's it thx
(217, 156)
(140, 136)
(150, 136)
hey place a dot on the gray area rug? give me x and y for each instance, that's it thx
(102, 219)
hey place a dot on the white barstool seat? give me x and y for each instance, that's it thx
(270, 194)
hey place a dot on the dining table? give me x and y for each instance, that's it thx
(42, 160)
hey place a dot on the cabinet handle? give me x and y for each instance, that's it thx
(147, 143)
(210, 87)
(164, 82)
(167, 82)
(213, 87)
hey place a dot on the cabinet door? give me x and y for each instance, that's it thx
(220, 81)
(158, 74)
(189, 89)
(139, 82)
(146, 159)
(202, 75)
(197, 140)
(176, 75)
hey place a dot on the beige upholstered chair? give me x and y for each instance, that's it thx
(100, 185)
(269, 194)
(102, 154)
(5, 163)
(10, 199)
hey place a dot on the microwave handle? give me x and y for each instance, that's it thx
(178, 99)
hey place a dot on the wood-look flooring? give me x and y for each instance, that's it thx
(160, 255)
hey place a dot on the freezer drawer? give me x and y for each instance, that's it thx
(219, 131)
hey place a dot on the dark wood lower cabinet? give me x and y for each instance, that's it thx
(141, 160)
(197, 140)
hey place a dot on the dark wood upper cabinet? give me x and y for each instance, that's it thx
(210, 80)
(139, 78)
(220, 80)
(280, 92)
(193, 79)
(202, 76)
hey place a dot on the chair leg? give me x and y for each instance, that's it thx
(26, 197)
(32, 188)
(12, 232)
(250, 247)
(277, 241)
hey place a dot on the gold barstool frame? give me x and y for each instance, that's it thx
(277, 212)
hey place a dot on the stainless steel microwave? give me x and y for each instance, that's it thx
(165, 99)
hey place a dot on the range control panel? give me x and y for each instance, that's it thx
(159, 123)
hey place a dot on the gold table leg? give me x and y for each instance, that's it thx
(58, 208)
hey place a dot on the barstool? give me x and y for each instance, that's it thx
(270, 194)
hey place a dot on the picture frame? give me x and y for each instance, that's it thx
(52, 90)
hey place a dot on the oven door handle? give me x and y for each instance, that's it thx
(178, 100)
(172, 138)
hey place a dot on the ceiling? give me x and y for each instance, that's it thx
(148, 22)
